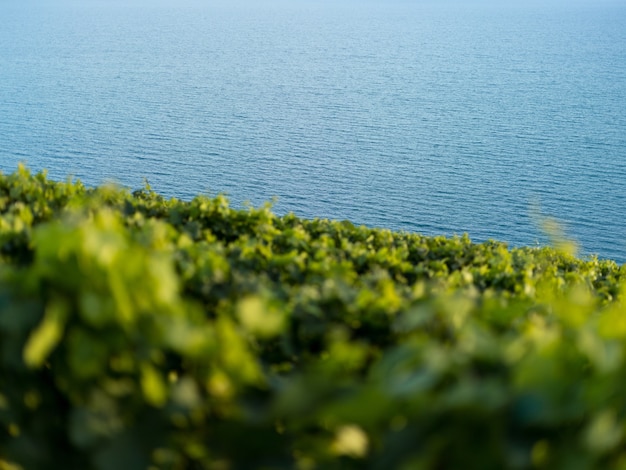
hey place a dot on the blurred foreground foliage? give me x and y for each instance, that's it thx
(144, 332)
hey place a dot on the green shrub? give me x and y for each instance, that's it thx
(144, 332)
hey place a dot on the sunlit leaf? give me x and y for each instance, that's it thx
(47, 334)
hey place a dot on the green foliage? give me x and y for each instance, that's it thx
(144, 332)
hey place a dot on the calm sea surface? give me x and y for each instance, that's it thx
(424, 116)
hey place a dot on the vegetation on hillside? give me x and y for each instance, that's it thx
(144, 332)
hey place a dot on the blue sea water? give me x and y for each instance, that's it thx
(432, 117)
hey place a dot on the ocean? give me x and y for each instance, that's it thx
(435, 117)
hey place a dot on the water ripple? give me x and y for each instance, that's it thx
(411, 117)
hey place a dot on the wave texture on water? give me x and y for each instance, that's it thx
(417, 117)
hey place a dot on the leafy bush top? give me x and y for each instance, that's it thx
(144, 332)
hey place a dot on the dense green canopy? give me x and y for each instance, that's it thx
(144, 332)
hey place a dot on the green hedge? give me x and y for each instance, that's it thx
(144, 332)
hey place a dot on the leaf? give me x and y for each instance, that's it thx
(259, 318)
(47, 335)
(604, 432)
(153, 386)
(350, 440)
